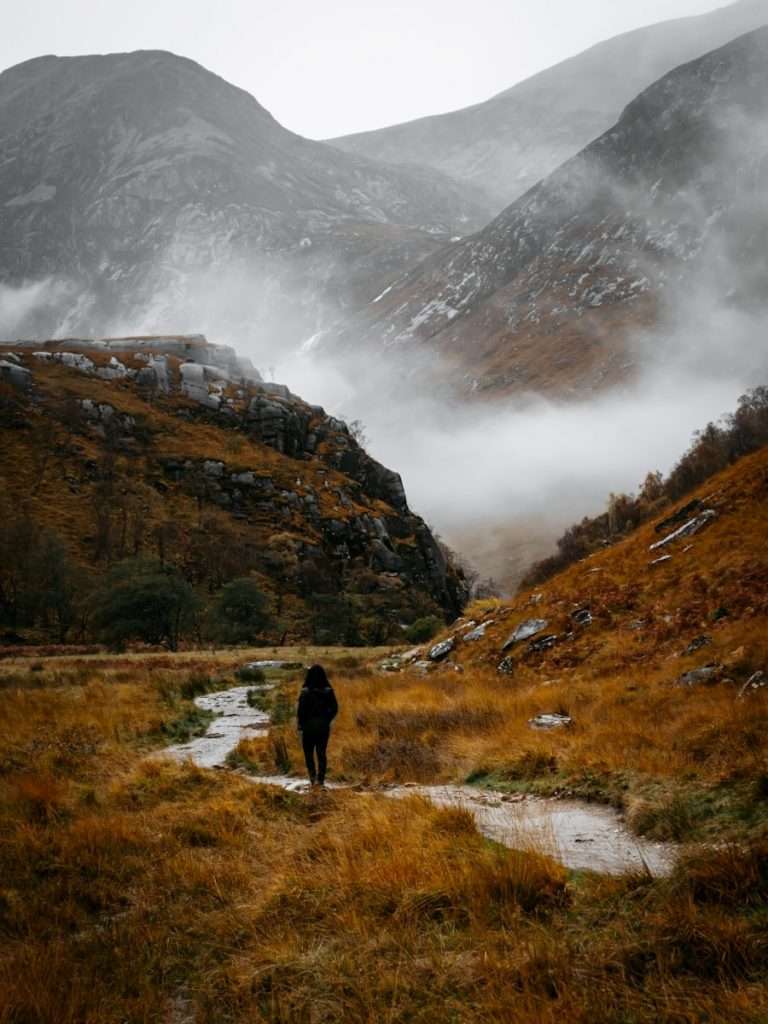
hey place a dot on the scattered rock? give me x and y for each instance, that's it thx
(393, 664)
(706, 675)
(413, 655)
(552, 720)
(687, 529)
(75, 360)
(697, 643)
(681, 515)
(506, 666)
(114, 370)
(582, 617)
(478, 632)
(441, 650)
(544, 643)
(16, 376)
(525, 631)
(720, 613)
(213, 469)
(757, 681)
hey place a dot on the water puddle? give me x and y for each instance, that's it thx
(578, 834)
(581, 835)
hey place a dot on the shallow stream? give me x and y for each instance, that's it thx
(580, 835)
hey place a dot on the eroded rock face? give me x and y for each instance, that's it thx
(352, 531)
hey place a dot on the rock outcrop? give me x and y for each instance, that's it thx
(328, 526)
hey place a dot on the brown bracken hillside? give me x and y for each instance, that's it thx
(648, 661)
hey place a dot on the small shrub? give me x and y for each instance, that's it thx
(259, 699)
(280, 754)
(423, 629)
(239, 613)
(729, 875)
(195, 686)
(193, 723)
(248, 674)
(283, 707)
(672, 819)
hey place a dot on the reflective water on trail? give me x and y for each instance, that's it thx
(236, 720)
(578, 834)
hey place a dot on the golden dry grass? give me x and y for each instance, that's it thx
(136, 890)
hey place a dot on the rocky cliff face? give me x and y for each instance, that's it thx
(670, 200)
(509, 143)
(170, 447)
(141, 181)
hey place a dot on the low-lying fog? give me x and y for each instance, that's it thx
(499, 482)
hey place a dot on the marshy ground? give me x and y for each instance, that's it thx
(136, 888)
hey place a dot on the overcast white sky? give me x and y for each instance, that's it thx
(329, 67)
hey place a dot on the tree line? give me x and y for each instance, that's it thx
(713, 449)
(43, 588)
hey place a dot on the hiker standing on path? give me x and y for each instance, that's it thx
(317, 709)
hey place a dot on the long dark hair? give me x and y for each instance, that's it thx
(316, 679)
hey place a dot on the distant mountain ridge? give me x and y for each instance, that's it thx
(135, 177)
(671, 199)
(511, 141)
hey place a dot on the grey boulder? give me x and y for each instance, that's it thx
(525, 631)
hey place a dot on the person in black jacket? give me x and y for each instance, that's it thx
(317, 709)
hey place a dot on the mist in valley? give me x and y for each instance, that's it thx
(498, 479)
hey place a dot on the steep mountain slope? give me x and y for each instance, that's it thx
(510, 142)
(134, 177)
(669, 201)
(171, 448)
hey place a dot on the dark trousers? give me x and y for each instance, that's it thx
(316, 739)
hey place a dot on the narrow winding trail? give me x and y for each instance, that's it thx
(578, 834)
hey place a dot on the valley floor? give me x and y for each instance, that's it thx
(136, 889)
